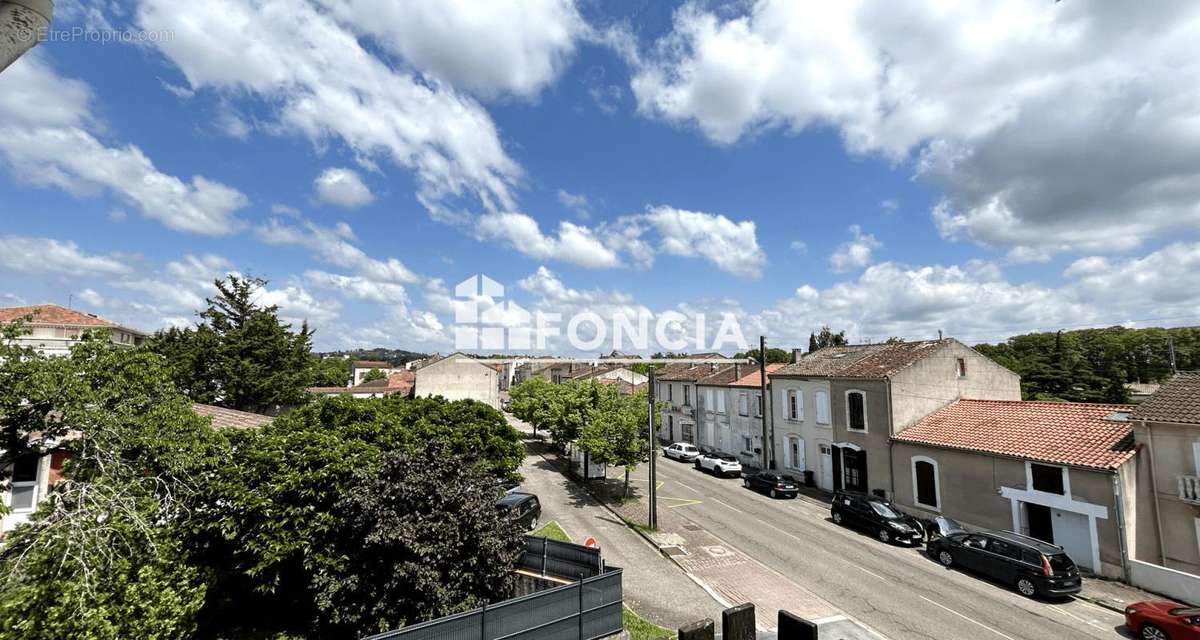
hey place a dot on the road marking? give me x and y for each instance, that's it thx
(726, 505)
(686, 486)
(1083, 620)
(871, 573)
(968, 619)
(683, 502)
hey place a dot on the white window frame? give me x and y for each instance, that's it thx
(1066, 478)
(1196, 456)
(792, 462)
(748, 444)
(960, 367)
(821, 393)
(937, 483)
(36, 484)
(687, 395)
(795, 405)
(866, 421)
(758, 406)
(720, 401)
(670, 393)
(744, 403)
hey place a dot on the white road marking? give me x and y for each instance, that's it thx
(726, 505)
(872, 573)
(686, 486)
(1083, 620)
(967, 618)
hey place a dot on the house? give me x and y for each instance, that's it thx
(609, 372)
(731, 411)
(359, 369)
(33, 476)
(51, 329)
(399, 382)
(459, 377)
(1167, 425)
(1141, 391)
(1063, 472)
(676, 384)
(841, 405)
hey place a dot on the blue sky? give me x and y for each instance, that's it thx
(887, 169)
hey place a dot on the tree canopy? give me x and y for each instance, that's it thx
(774, 355)
(825, 338)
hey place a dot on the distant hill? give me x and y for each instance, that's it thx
(394, 357)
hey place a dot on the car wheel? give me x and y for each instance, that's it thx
(772, 493)
(837, 517)
(1151, 632)
(884, 536)
(533, 525)
(945, 558)
(746, 483)
(1026, 587)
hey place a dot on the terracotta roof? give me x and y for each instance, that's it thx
(862, 360)
(1177, 400)
(53, 314)
(1068, 433)
(753, 379)
(223, 418)
(623, 386)
(690, 372)
(401, 382)
(371, 364)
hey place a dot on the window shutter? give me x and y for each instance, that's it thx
(799, 404)
(783, 403)
(721, 401)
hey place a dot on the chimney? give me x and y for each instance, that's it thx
(796, 355)
(737, 371)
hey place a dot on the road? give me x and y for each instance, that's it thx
(896, 590)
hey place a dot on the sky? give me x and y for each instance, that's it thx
(885, 168)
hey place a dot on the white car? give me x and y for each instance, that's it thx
(718, 463)
(684, 451)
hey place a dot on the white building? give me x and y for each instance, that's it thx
(460, 377)
(52, 330)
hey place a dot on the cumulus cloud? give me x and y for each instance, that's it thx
(325, 85)
(333, 245)
(577, 203)
(732, 246)
(25, 254)
(47, 139)
(358, 287)
(1062, 126)
(342, 187)
(573, 243)
(854, 254)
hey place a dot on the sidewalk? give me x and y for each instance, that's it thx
(1113, 595)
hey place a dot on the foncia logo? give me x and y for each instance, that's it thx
(482, 321)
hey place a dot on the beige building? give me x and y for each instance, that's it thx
(459, 377)
(52, 330)
(1062, 472)
(676, 384)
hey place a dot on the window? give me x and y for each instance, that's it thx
(743, 404)
(794, 453)
(795, 405)
(687, 396)
(747, 444)
(1002, 548)
(758, 405)
(962, 367)
(822, 407)
(1048, 479)
(856, 410)
(720, 402)
(687, 431)
(670, 392)
(708, 399)
(926, 492)
(25, 483)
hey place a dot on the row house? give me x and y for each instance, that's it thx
(731, 410)
(837, 409)
(676, 385)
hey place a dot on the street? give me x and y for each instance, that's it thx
(898, 591)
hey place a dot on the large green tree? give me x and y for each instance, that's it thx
(825, 338)
(240, 355)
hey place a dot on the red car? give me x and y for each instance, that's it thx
(1163, 621)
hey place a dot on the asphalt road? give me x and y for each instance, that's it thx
(896, 590)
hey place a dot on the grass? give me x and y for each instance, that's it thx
(640, 628)
(552, 531)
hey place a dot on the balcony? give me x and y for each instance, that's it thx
(1189, 489)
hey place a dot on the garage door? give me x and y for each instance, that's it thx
(1072, 534)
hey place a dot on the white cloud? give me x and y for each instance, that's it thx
(1058, 125)
(732, 246)
(45, 140)
(574, 244)
(24, 254)
(854, 254)
(332, 245)
(92, 298)
(799, 246)
(575, 202)
(358, 287)
(342, 187)
(890, 205)
(490, 48)
(325, 84)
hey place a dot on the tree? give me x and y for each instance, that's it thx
(374, 374)
(826, 338)
(241, 355)
(615, 430)
(330, 371)
(774, 355)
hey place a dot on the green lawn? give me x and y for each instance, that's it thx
(552, 531)
(640, 628)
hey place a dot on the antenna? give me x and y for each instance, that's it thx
(1171, 353)
(71, 298)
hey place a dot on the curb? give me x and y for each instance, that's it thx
(1100, 602)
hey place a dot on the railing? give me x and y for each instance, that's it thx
(1189, 489)
(561, 559)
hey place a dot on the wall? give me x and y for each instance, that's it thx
(876, 439)
(806, 426)
(459, 377)
(932, 383)
(1181, 586)
(1172, 450)
(676, 410)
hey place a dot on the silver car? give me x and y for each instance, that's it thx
(684, 451)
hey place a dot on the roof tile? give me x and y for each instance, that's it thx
(1177, 400)
(862, 360)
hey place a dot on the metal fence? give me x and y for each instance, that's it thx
(585, 609)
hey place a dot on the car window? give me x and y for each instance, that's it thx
(1005, 549)
(884, 510)
(976, 542)
(1060, 562)
(1029, 556)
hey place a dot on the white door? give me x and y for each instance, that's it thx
(1071, 532)
(708, 435)
(826, 467)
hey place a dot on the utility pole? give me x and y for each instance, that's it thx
(653, 476)
(768, 444)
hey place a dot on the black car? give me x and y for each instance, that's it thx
(1033, 567)
(521, 507)
(774, 484)
(877, 515)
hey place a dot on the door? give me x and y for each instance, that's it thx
(854, 470)
(1040, 526)
(1073, 534)
(826, 467)
(708, 436)
(972, 552)
(1003, 561)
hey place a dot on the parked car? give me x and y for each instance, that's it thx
(684, 451)
(1163, 620)
(521, 507)
(719, 463)
(1033, 567)
(774, 484)
(877, 515)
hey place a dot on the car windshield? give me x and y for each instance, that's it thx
(884, 510)
(1060, 562)
(1185, 611)
(726, 457)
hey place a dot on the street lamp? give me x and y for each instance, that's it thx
(22, 23)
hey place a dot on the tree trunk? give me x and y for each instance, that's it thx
(626, 482)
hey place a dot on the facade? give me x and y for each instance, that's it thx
(360, 368)
(611, 372)
(459, 377)
(675, 384)
(399, 382)
(1167, 426)
(733, 415)
(839, 407)
(1061, 472)
(52, 330)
